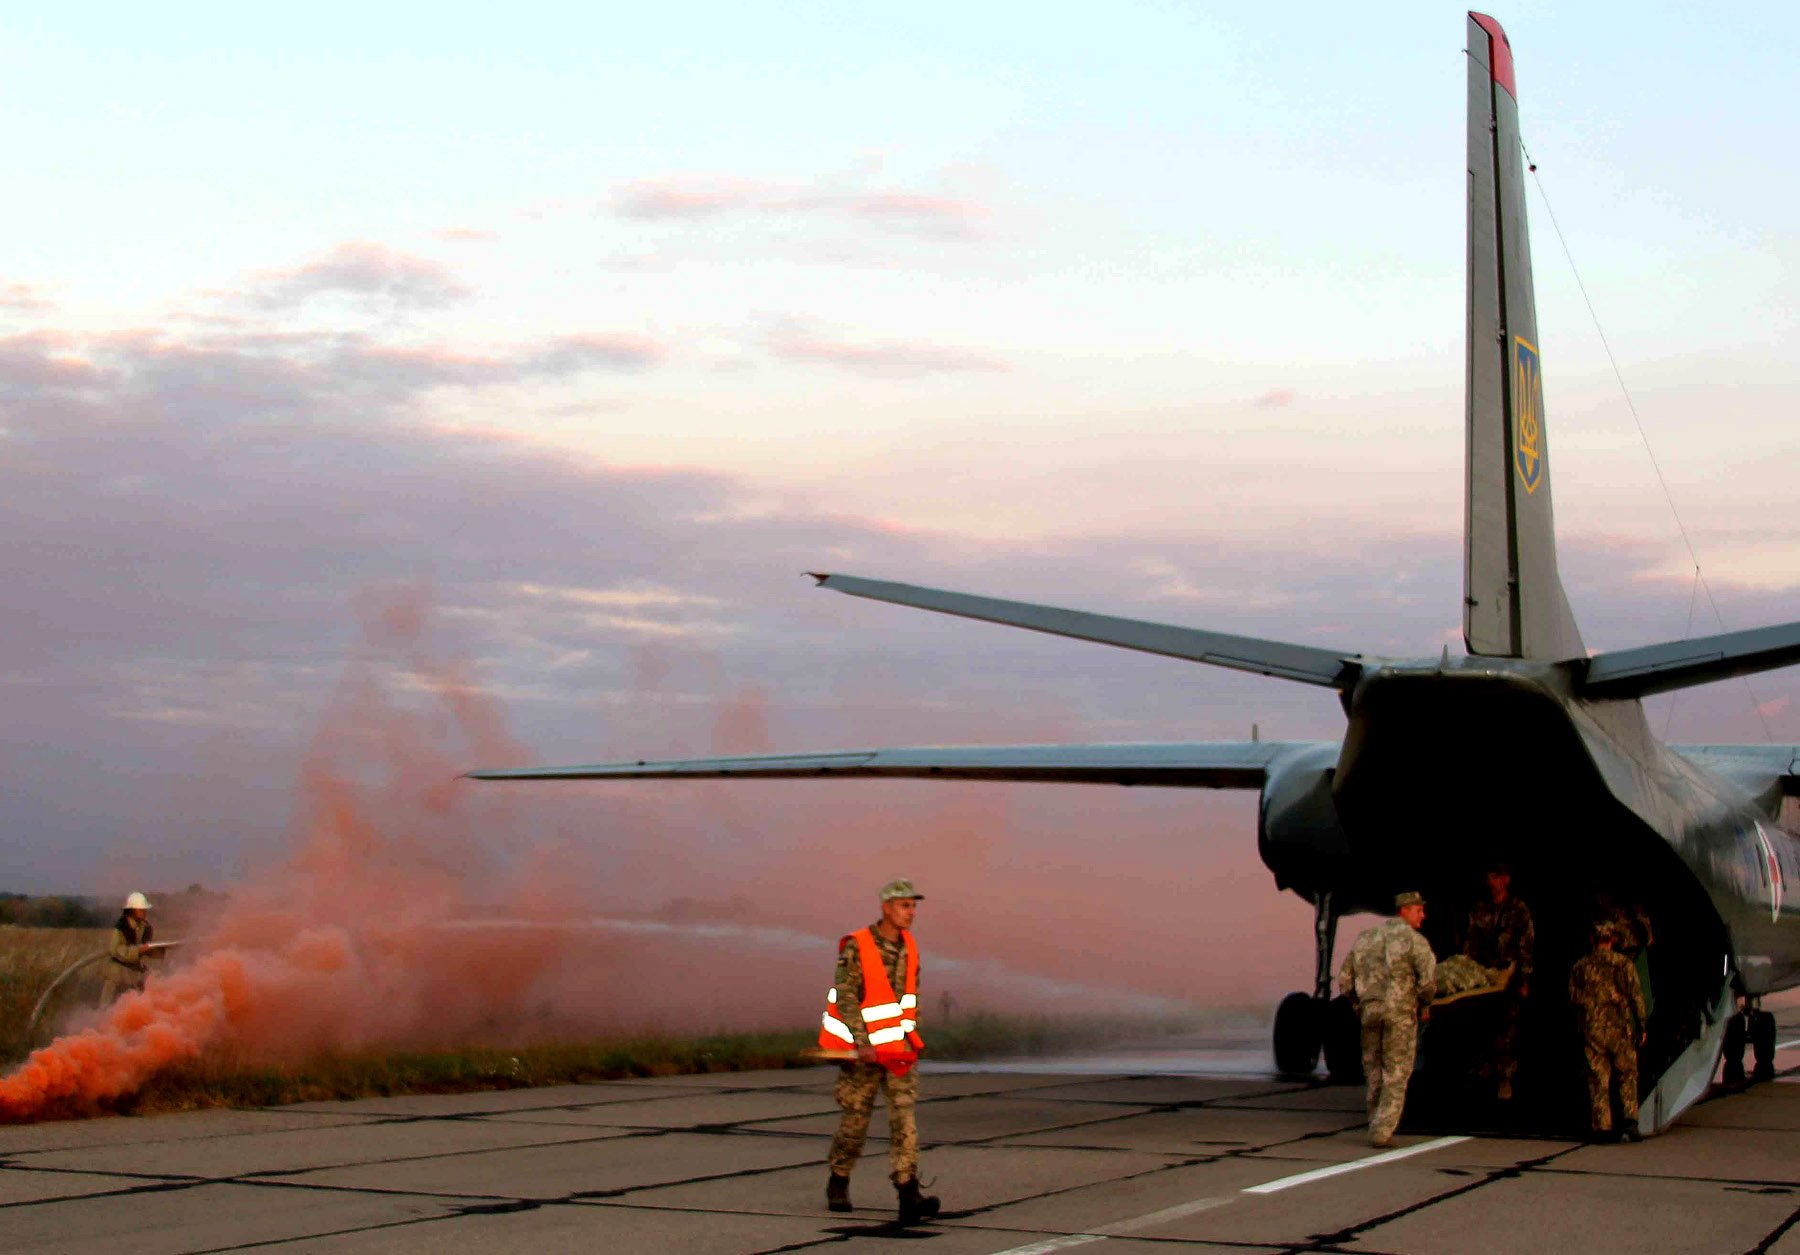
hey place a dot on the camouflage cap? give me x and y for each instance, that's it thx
(1408, 899)
(901, 888)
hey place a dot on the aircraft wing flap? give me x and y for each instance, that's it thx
(1681, 664)
(1199, 764)
(1305, 663)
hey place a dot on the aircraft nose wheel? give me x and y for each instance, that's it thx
(1305, 1024)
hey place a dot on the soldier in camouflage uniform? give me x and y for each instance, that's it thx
(859, 1082)
(1635, 937)
(1500, 935)
(1609, 1006)
(1391, 974)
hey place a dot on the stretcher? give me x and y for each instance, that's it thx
(1505, 974)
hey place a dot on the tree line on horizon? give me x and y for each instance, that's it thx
(69, 910)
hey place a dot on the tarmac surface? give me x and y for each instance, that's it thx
(1157, 1151)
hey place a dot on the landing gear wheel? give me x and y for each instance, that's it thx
(1343, 1042)
(1299, 1033)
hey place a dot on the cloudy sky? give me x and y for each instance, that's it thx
(594, 327)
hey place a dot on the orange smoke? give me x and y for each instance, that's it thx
(417, 909)
(344, 946)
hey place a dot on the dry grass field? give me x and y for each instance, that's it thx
(30, 958)
(224, 1077)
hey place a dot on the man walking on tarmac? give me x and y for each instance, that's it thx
(872, 1012)
(1609, 1006)
(1390, 973)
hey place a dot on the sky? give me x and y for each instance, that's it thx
(590, 329)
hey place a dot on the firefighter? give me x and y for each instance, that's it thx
(128, 950)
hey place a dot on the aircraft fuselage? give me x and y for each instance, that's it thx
(1447, 765)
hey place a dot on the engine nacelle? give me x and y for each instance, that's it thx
(1299, 834)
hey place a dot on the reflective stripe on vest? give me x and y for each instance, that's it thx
(893, 1030)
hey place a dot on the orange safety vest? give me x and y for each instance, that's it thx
(891, 1020)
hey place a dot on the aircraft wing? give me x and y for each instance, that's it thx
(1757, 767)
(1698, 660)
(1190, 765)
(1305, 663)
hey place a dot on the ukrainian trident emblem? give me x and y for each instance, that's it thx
(1528, 415)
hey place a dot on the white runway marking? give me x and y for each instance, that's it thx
(1338, 1169)
(1120, 1228)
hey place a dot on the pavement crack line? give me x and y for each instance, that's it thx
(1349, 1233)
(1088, 1124)
(1780, 1231)
(1647, 1175)
(1179, 1161)
(407, 1222)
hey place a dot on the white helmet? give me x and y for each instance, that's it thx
(137, 902)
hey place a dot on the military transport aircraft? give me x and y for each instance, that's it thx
(1528, 749)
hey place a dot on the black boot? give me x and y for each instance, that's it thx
(1628, 1131)
(914, 1206)
(837, 1193)
(1762, 1045)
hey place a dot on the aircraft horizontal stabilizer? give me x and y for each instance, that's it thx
(1192, 765)
(1682, 664)
(1304, 663)
(1756, 767)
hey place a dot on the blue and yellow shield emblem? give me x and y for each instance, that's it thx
(1528, 415)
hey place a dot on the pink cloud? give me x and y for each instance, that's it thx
(689, 198)
(468, 235)
(893, 357)
(597, 351)
(938, 214)
(42, 360)
(1275, 399)
(21, 298)
(676, 198)
(361, 271)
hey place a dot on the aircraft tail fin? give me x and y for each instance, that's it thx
(1513, 600)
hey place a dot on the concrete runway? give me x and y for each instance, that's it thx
(1110, 1158)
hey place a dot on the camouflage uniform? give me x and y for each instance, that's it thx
(1391, 973)
(125, 967)
(1634, 937)
(1609, 1006)
(859, 1082)
(1500, 934)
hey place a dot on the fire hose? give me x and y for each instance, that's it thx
(69, 971)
